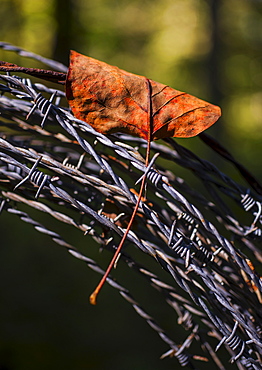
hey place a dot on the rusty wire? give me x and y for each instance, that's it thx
(201, 243)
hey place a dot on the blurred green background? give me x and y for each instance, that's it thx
(211, 49)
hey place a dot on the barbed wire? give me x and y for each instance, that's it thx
(28, 54)
(59, 165)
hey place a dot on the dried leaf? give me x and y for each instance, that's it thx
(113, 100)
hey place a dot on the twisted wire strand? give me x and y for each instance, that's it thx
(168, 290)
(154, 280)
(28, 54)
(178, 352)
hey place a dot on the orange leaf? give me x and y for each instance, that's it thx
(113, 100)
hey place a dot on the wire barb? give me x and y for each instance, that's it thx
(37, 177)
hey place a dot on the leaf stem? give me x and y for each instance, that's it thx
(93, 296)
(53, 76)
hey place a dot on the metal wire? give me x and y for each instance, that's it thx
(48, 154)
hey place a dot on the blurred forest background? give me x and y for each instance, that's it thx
(211, 49)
